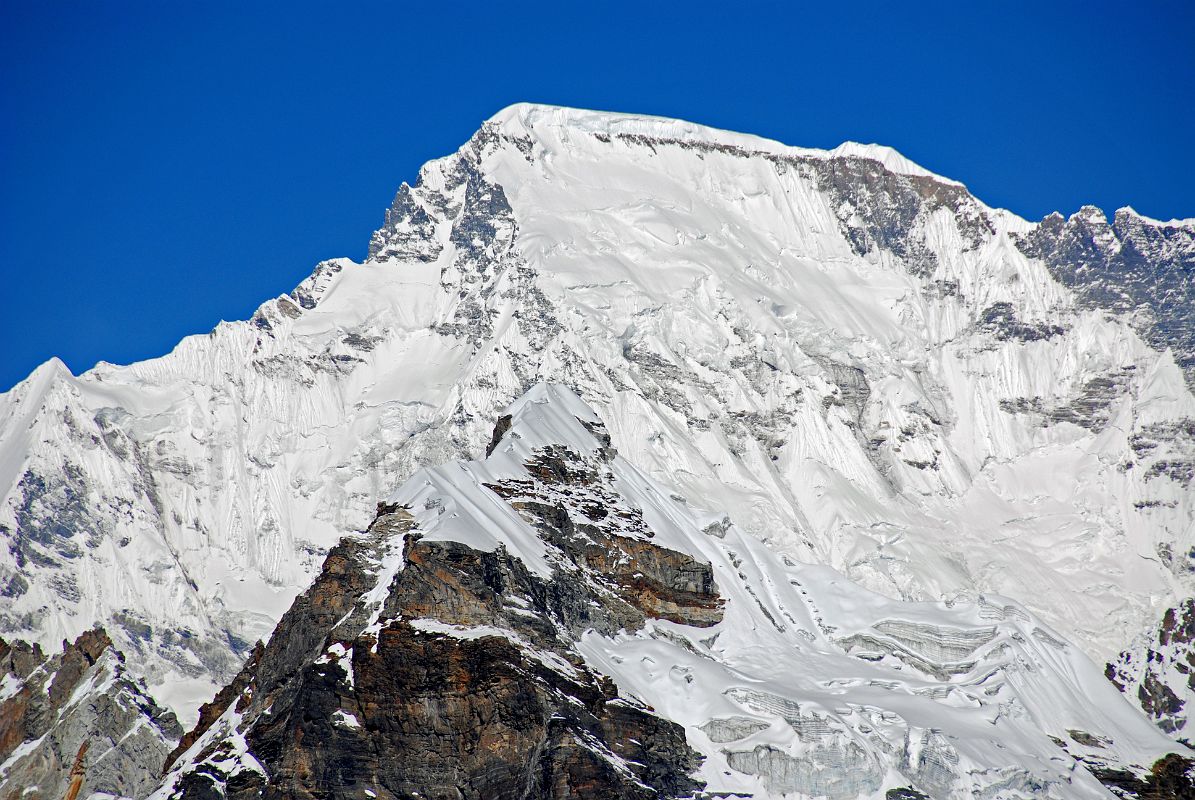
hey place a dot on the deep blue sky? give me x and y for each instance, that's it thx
(167, 165)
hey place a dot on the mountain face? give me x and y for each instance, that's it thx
(852, 360)
(551, 622)
(1133, 265)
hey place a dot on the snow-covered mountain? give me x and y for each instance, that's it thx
(854, 360)
(551, 622)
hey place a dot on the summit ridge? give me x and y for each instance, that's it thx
(524, 118)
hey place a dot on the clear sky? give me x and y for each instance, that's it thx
(165, 165)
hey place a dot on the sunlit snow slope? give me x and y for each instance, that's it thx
(857, 361)
(452, 650)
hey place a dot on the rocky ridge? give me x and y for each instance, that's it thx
(1129, 265)
(83, 697)
(453, 670)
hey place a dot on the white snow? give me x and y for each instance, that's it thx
(9, 685)
(530, 119)
(1173, 223)
(345, 719)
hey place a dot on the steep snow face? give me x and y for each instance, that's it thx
(856, 360)
(796, 682)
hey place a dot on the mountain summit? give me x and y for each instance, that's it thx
(853, 361)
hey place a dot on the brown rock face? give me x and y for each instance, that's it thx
(68, 702)
(443, 717)
(462, 681)
(29, 713)
(348, 571)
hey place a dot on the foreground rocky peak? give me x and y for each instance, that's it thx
(442, 642)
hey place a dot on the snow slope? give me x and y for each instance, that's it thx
(805, 685)
(854, 359)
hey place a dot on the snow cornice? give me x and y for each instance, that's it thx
(523, 119)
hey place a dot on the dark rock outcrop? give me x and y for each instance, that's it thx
(424, 667)
(1171, 778)
(1161, 673)
(1000, 320)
